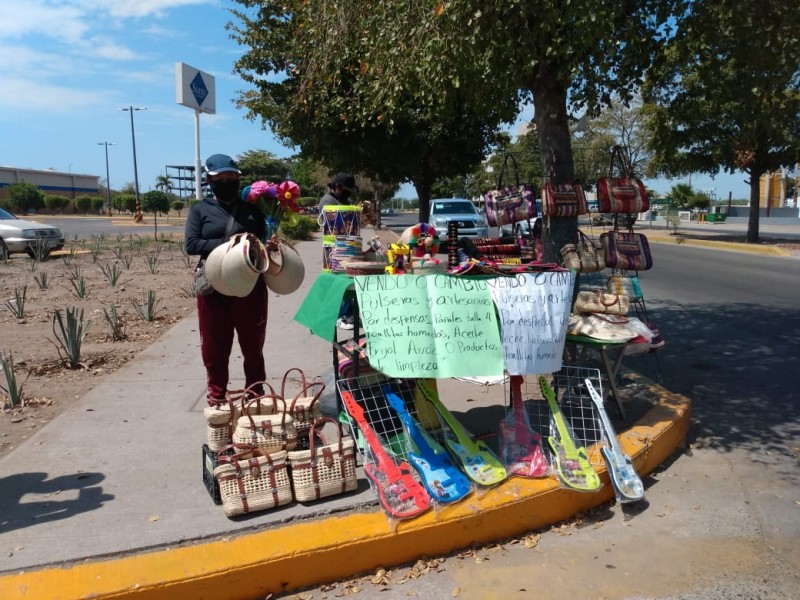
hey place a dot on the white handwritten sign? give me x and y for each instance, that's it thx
(429, 325)
(534, 313)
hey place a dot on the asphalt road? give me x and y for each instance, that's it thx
(87, 227)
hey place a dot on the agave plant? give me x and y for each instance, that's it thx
(70, 335)
(13, 389)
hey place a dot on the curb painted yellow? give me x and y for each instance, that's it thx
(768, 250)
(309, 553)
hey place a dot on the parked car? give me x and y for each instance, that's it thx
(471, 223)
(18, 235)
(387, 211)
(516, 230)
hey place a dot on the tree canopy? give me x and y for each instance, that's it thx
(726, 93)
(416, 90)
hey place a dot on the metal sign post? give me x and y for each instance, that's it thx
(195, 89)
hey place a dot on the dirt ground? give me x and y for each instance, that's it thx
(48, 383)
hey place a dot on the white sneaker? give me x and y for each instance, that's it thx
(344, 322)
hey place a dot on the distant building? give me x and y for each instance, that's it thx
(772, 189)
(55, 183)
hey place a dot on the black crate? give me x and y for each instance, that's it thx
(209, 464)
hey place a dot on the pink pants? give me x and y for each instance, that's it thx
(219, 317)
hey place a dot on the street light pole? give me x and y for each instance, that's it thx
(137, 217)
(108, 179)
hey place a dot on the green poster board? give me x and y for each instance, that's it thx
(437, 326)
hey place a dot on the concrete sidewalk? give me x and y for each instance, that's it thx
(107, 500)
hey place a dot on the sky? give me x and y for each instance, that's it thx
(68, 66)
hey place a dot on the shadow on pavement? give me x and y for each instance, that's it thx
(738, 364)
(45, 502)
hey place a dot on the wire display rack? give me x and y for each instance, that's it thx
(576, 405)
(367, 390)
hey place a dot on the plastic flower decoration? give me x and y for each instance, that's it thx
(273, 200)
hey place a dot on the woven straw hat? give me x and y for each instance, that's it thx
(236, 265)
(214, 268)
(286, 270)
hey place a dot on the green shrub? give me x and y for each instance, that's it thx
(55, 204)
(298, 227)
(83, 204)
(306, 201)
(25, 196)
(124, 202)
(178, 206)
(98, 204)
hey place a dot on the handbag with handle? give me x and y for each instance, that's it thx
(598, 301)
(585, 257)
(222, 416)
(304, 407)
(624, 193)
(270, 433)
(510, 203)
(251, 479)
(326, 468)
(626, 251)
(563, 200)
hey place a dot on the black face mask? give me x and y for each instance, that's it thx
(344, 195)
(226, 191)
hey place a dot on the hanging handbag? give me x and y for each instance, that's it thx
(626, 251)
(304, 407)
(325, 469)
(585, 257)
(270, 433)
(622, 194)
(251, 480)
(563, 200)
(597, 301)
(511, 203)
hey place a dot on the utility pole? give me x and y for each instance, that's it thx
(108, 179)
(137, 217)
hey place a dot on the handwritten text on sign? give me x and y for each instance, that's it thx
(534, 313)
(429, 325)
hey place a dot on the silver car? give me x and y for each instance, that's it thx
(18, 235)
(471, 223)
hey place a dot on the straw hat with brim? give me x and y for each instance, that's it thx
(236, 265)
(286, 269)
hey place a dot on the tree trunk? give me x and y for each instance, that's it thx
(752, 220)
(424, 184)
(552, 127)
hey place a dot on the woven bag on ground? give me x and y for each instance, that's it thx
(325, 469)
(304, 406)
(252, 480)
(270, 433)
(222, 416)
(598, 301)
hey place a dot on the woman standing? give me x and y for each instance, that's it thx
(210, 223)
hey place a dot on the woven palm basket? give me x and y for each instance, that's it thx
(252, 484)
(270, 433)
(304, 406)
(326, 469)
(219, 424)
